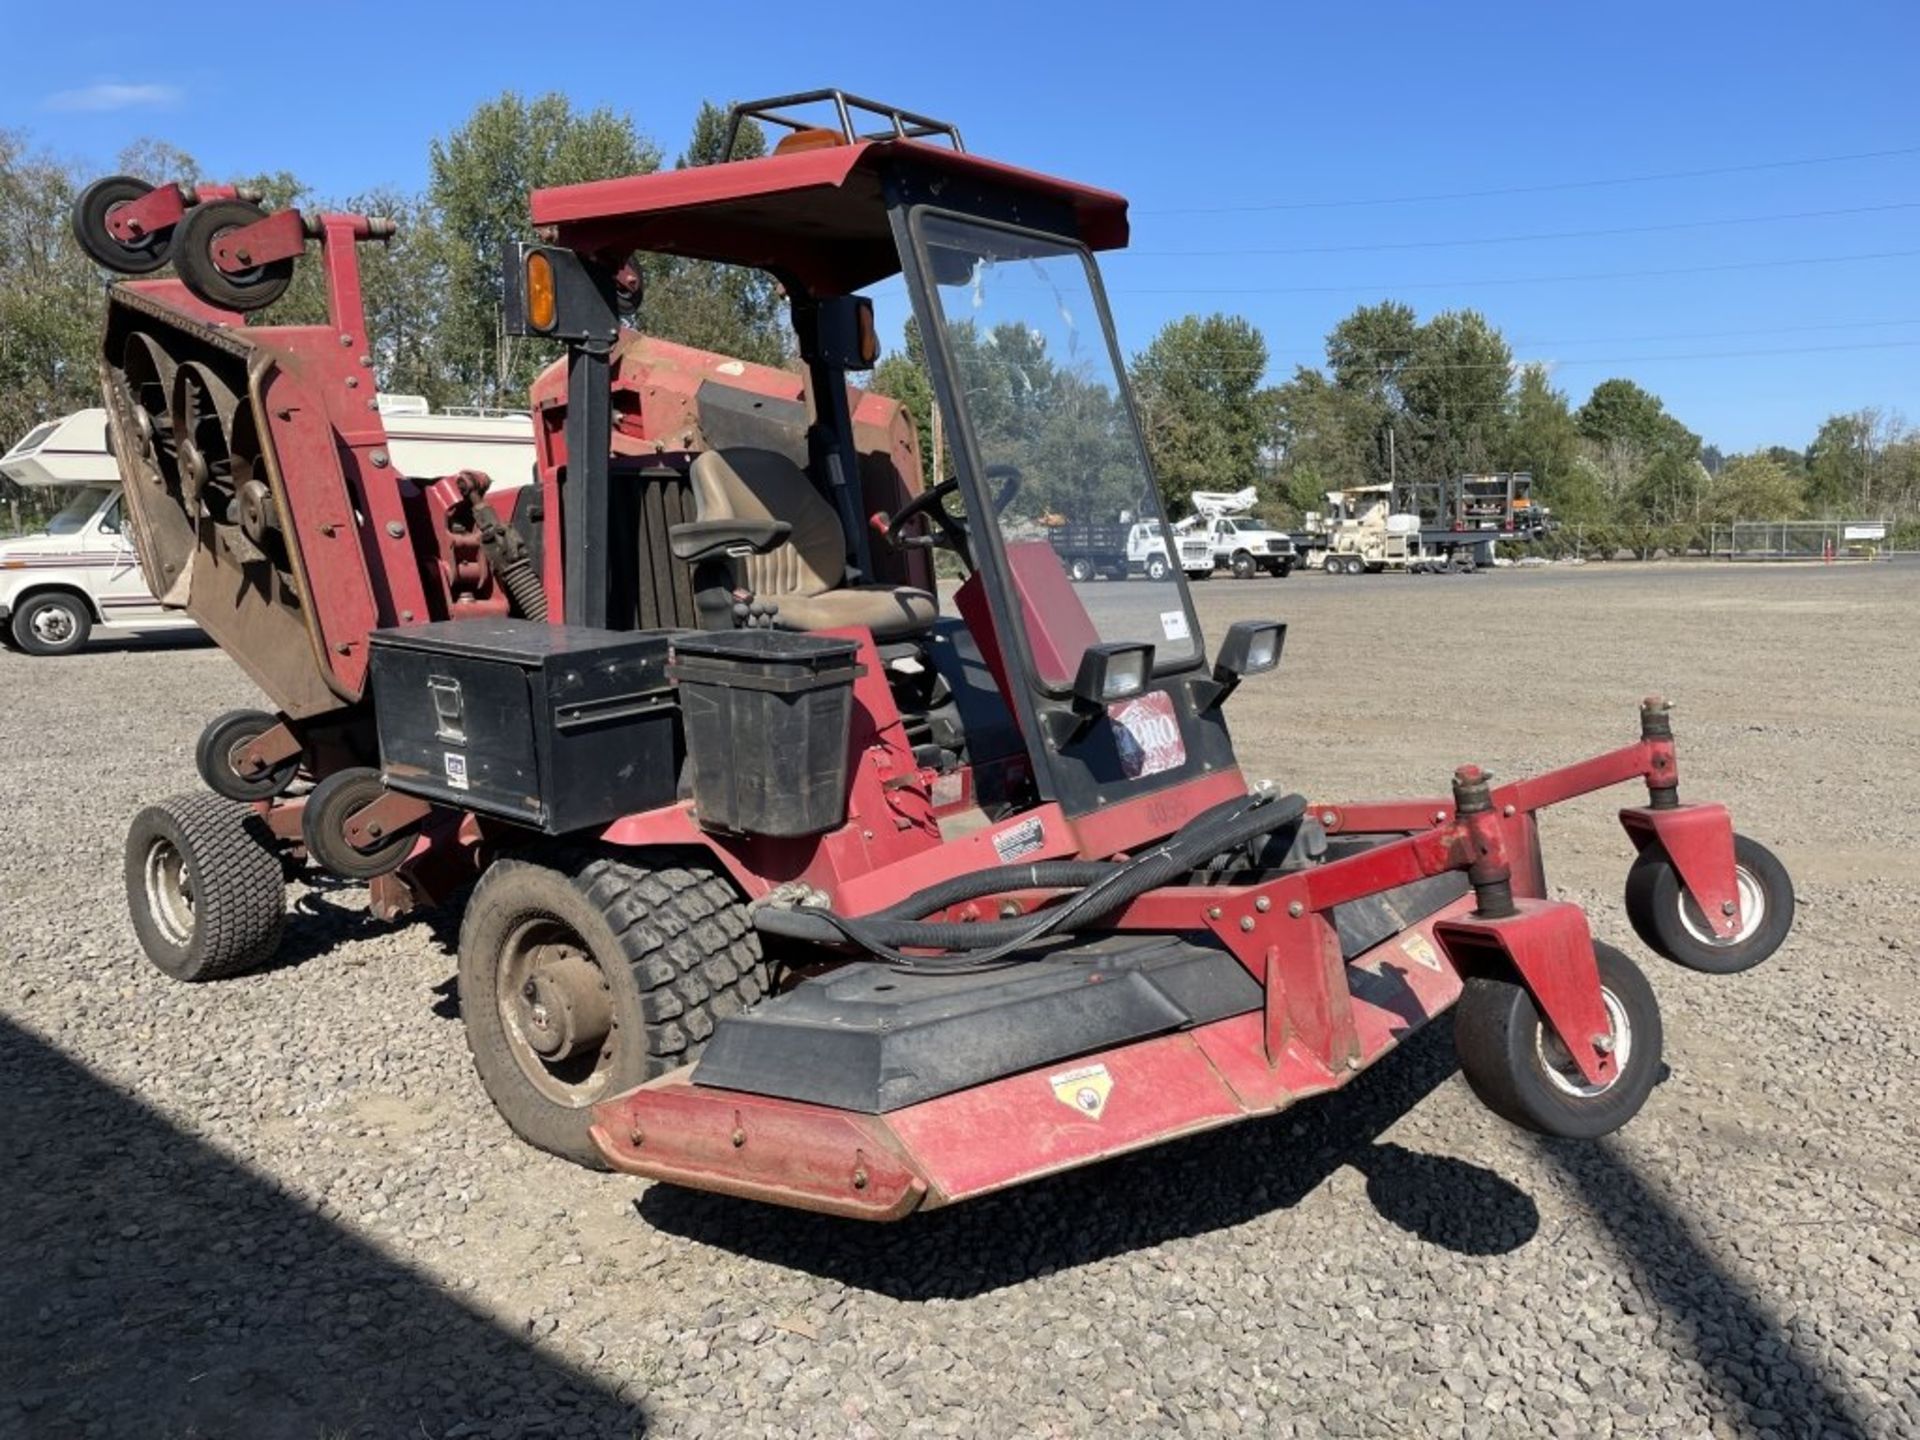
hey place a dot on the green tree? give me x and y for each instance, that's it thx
(49, 300)
(1205, 414)
(727, 309)
(1542, 439)
(1754, 487)
(1324, 437)
(480, 177)
(1455, 394)
(1621, 410)
(902, 375)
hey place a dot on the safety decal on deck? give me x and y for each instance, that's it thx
(1148, 732)
(1419, 949)
(1085, 1089)
(1017, 840)
(456, 770)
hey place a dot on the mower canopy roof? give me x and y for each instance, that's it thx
(816, 218)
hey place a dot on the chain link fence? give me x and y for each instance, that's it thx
(1802, 540)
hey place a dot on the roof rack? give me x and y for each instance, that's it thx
(896, 124)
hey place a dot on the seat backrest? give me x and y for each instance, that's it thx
(741, 483)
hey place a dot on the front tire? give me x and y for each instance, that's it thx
(1156, 568)
(1671, 925)
(1243, 566)
(204, 887)
(51, 624)
(583, 978)
(1516, 1065)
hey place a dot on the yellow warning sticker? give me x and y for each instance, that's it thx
(1419, 949)
(1085, 1089)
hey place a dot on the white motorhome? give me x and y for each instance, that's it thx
(57, 585)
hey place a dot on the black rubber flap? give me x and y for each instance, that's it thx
(871, 1039)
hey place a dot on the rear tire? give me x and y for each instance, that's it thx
(670, 950)
(1081, 571)
(1668, 921)
(204, 887)
(55, 624)
(1516, 1065)
(219, 745)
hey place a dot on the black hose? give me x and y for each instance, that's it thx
(1042, 875)
(985, 944)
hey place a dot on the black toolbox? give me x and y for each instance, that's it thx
(767, 716)
(558, 727)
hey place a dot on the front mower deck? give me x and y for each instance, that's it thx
(1041, 1119)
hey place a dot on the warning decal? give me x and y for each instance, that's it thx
(1017, 840)
(1085, 1090)
(456, 770)
(1419, 949)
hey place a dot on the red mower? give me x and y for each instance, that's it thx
(791, 877)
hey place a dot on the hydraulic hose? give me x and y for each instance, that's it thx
(985, 944)
(1044, 875)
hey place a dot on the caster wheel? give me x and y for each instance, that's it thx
(1517, 1066)
(92, 209)
(585, 977)
(217, 755)
(323, 826)
(205, 888)
(1666, 918)
(244, 290)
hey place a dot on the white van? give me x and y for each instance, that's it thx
(81, 571)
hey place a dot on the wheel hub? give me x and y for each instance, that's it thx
(169, 892)
(1753, 910)
(564, 1005)
(52, 625)
(1559, 1064)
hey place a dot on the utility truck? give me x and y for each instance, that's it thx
(1235, 540)
(1091, 550)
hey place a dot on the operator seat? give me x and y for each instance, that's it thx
(802, 575)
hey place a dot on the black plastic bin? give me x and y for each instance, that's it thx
(766, 716)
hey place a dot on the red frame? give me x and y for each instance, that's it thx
(1313, 1032)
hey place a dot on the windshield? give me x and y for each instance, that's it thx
(74, 515)
(1039, 384)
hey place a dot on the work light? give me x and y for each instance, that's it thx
(1113, 672)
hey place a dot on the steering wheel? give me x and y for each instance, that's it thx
(950, 531)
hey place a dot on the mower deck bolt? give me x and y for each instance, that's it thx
(739, 1138)
(1213, 912)
(396, 530)
(860, 1179)
(1262, 904)
(1507, 811)
(1329, 817)
(1246, 922)
(636, 1137)
(1296, 909)
(1727, 907)
(379, 458)
(1603, 1043)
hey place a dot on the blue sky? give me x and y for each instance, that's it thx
(1319, 135)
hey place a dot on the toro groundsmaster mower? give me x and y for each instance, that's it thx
(789, 879)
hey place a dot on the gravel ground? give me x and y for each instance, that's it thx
(280, 1206)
